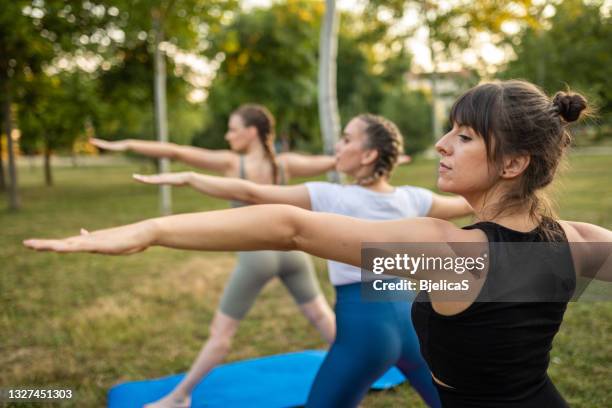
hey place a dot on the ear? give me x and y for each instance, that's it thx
(369, 157)
(252, 131)
(515, 166)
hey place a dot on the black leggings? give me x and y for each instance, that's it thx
(546, 397)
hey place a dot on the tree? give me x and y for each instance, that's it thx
(267, 56)
(373, 64)
(571, 49)
(327, 89)
(161, 107)
(166, 20)
(22, 51)
(57, 109)
(451, 29)
(33, 33)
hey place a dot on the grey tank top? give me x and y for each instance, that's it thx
(242, 175)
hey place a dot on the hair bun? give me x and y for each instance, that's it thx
(569, 105)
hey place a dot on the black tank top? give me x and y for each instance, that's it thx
(499, 350)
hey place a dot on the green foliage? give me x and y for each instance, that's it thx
(47, 45)
(126, 100)
(571, 50)
(53, 111)
(411, 112)
(183, 21)
(270, 57)
(31, 33)
(453, 27)
(385, 93)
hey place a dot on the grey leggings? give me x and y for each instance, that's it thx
(256, 268)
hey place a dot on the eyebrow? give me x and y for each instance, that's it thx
(469, 131)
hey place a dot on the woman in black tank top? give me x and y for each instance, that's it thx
(491, 350)
(496, 352)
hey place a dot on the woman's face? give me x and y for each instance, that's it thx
(238, 136)
(351, 153)
(463, 167)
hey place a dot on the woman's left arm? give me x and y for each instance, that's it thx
(591, 247)
(449, 207)
(328, 236)
(301, 165)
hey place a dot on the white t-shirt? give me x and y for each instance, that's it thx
(359, 202)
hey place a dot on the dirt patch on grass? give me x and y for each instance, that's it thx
(199, 277)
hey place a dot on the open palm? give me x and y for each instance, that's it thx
(124, 240)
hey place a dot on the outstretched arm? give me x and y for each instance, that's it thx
(446, 208)
(300, 165)
(233, 188)
(221, 160)
(328, 236)
(591, 249)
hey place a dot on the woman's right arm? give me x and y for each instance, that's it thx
(220, 160)
(234, 189)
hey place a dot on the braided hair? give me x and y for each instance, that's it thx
(384, 136)
(261, 118)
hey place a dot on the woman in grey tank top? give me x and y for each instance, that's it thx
(250, 135)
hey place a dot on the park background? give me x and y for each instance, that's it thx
(73, 70)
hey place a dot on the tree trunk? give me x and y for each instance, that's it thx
(13, 197)
(47, 166)
(435, 122)
(2, 180)
(161, 122)
(436, 129)
(328, 100)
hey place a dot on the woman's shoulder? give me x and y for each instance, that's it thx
(235, 162)
(435, 230)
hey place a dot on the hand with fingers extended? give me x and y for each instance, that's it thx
(403, 159)
(172, 179)
(124, 240)
(116, 146)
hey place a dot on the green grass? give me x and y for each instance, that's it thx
(87, 322)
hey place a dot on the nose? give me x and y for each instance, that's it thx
(443, 146)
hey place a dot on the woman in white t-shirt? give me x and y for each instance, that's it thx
(371, 336)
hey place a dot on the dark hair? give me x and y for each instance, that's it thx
(516, 117)
(260, 117)
(384, 136)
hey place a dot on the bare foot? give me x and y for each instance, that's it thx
(171, 401)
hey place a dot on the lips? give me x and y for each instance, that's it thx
(442, 165)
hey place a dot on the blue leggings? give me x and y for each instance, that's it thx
(371, 337)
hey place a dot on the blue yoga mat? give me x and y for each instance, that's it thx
(282, 380)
